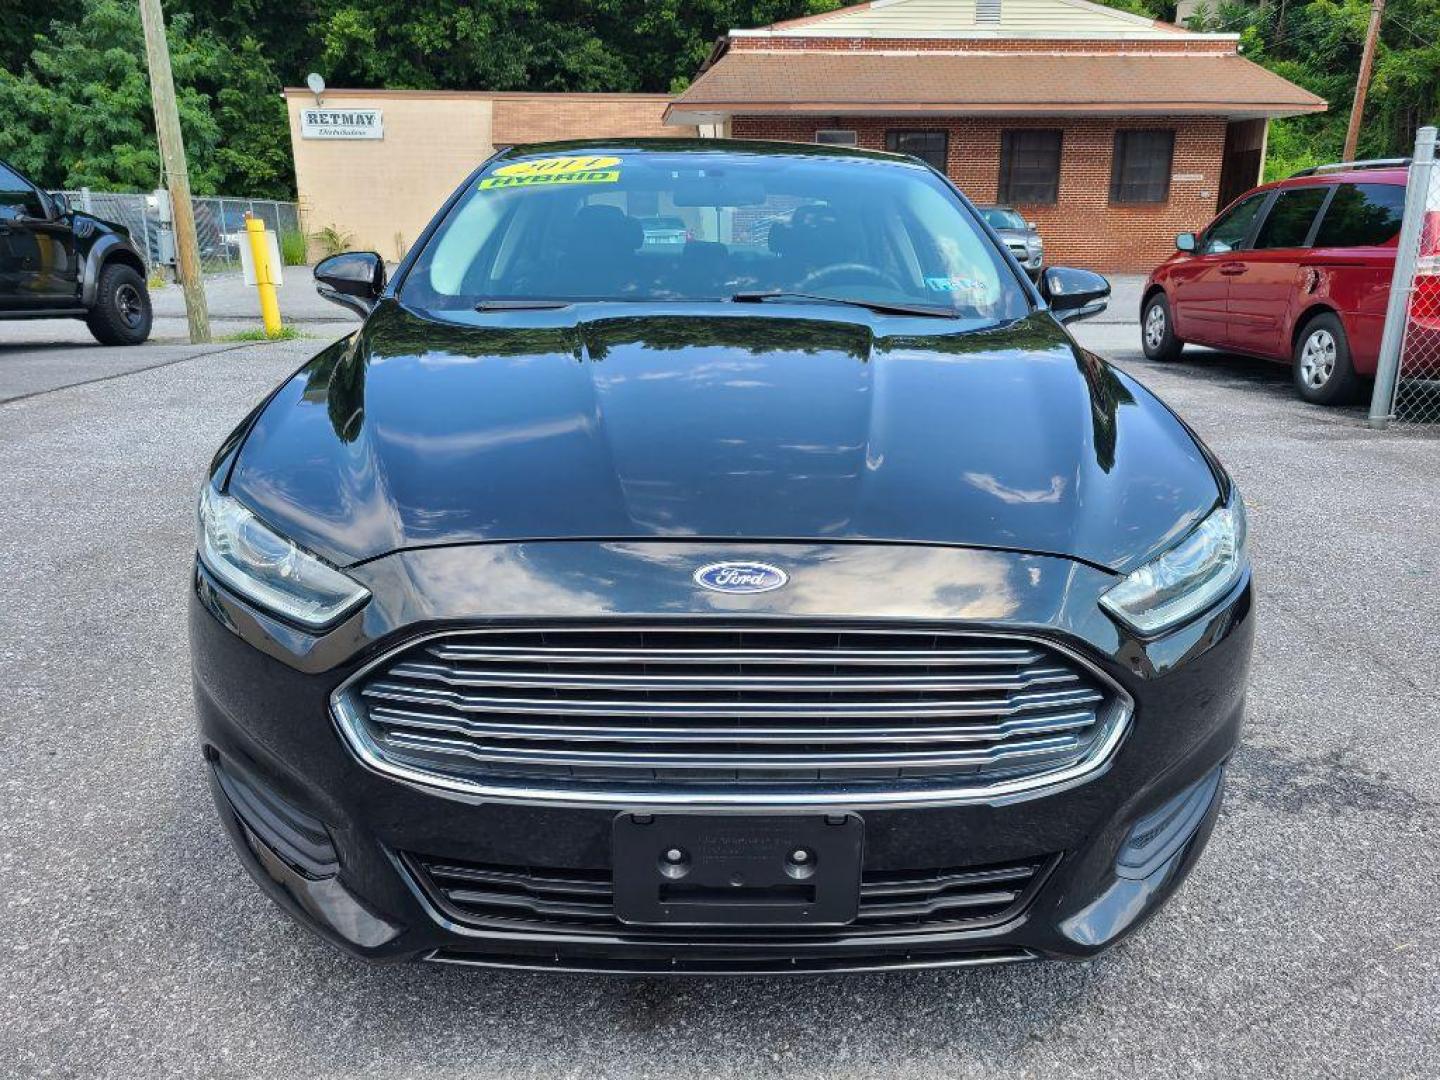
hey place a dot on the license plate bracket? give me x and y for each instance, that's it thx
(737, 870)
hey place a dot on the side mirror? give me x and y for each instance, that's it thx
(1032, 226)
(1074, 294)
(1186, 242)
(352, 279)
(59, 206)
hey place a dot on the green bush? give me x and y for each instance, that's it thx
(292, 247)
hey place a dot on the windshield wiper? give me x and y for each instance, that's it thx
(883, 307)
(521, 305)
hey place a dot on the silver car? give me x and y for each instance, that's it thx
(1020, 236)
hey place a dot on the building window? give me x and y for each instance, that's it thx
(930, 147)
(1140, 172)
(1029, 166)
(836, 137)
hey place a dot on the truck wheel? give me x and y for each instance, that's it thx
(1157, 330)
(1323, 372)
(121, 315)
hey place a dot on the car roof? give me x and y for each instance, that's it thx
(764, 147)
(1391, 175)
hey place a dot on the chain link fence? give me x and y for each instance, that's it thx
(219, 223)
(1407, 384)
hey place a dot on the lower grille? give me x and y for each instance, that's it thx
(769, 708)
(733, 961)
(579, 901)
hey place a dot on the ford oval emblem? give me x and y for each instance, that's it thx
(740, 577)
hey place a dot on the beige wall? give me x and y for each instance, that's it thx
(383, 192)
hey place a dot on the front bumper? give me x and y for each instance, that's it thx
(285, 781)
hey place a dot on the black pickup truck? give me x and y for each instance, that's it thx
(56, 262)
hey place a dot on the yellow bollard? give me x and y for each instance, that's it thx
(264, 274)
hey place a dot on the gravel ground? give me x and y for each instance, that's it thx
(133, 945)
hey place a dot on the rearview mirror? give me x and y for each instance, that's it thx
(1185, 242)
(1074, 294)
(352, 279)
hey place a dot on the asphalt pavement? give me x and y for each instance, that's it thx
(234, 307)
(133, 945)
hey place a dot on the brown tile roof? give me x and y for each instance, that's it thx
(875, 83)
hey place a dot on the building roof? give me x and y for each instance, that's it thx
(975, 18)
(876, 83)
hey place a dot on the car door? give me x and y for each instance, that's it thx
(1200, 285)
(1263, 290)
(37, 250)
(1352, 259)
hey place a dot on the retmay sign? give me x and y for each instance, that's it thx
(321, 123)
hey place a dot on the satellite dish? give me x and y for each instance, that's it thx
(316, 83)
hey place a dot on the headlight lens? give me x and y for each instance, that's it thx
(264, 567)
(1188, 578)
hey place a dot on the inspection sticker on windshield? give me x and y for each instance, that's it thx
(547, 172)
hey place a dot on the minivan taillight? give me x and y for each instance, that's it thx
(1425, 299)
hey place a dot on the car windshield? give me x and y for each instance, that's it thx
(999, 217)
(645, 226)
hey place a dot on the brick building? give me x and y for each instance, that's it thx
(1111, 131)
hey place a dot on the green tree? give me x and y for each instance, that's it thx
(1318, 44)
(79, 112)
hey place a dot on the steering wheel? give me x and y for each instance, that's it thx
(825, 274)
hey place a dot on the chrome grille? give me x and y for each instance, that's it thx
(797, 708)
(891, 901)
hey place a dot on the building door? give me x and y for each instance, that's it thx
(1244, 159)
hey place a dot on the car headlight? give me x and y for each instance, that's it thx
(1034, 243)
(1185, 580)
(265, 568)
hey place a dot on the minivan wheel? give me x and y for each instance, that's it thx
(1323, 372)
(121, 315)
(1157, 330)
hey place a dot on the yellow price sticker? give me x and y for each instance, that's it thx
(547, 172)
(543, 166)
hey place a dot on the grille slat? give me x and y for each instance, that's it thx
(569, 901)
(741, 680)
(391, 690)
(794, 706)
(687, 758)
(829, 733)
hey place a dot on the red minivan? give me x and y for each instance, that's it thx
(1297, 271)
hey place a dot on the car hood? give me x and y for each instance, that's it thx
(806, 422)
(1014, 234)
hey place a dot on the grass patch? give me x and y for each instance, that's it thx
(292, 248)
(287, 333)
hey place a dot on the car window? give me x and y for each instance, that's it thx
(999, 218)
(1290, 217)
(1362, 215)
(1232, 227)
(588, 227)
(18, 198)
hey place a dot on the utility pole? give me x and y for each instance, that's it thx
(172, 153)
(1362, 81)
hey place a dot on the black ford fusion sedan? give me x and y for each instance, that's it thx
(794, 597)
